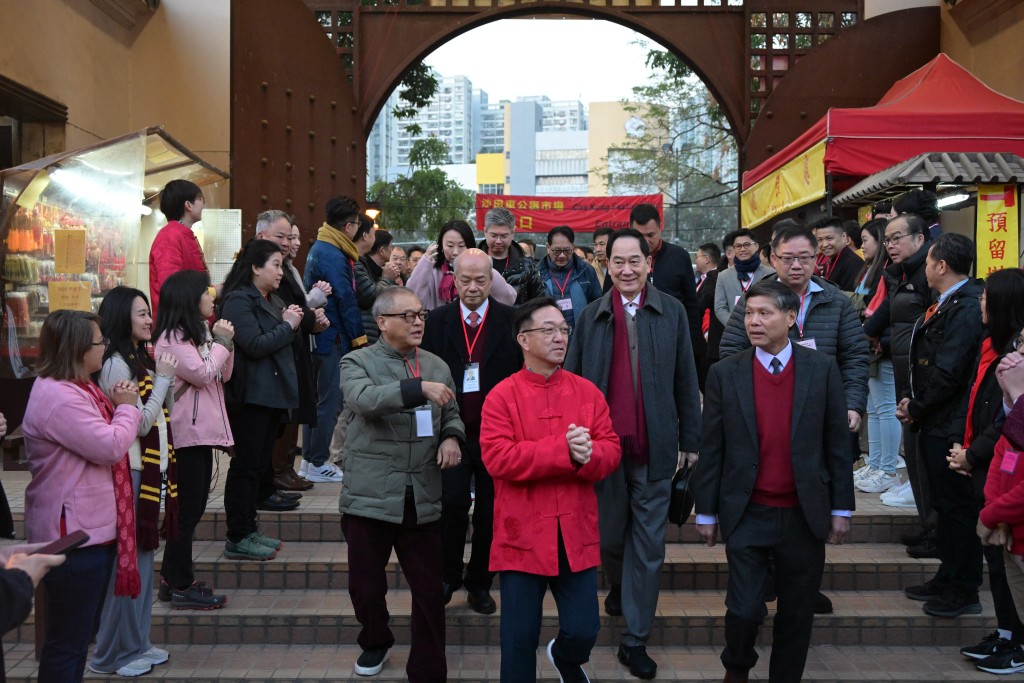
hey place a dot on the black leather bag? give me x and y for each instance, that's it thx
(681, 505)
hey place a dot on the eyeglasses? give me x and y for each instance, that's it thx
(548, 332)
(409, 316)
(804, 260)
(499, 237)
(744, 245)
(894, 239)
(560, 252)
(101, 342)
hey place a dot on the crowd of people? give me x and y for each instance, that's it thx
(546, 402)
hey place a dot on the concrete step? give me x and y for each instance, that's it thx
(688, 566)
(307, 663)
(291, 617)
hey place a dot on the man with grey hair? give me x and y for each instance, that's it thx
(276, 226)
(406, 428)
(508, 258)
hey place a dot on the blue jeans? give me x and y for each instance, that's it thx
(316, 441)
(74, 597)
(884, 430)
(578, 621)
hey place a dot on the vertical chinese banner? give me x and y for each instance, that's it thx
(998, 228)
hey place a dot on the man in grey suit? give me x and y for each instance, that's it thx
(774, 474)
(634, 344)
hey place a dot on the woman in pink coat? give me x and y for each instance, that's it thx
(199, 421)
(77, 444)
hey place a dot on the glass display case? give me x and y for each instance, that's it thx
(77, 224)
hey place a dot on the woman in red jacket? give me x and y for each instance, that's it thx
(176, 247)
(546, 437)
(1002, 519)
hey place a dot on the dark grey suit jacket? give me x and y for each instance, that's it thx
(729, 451)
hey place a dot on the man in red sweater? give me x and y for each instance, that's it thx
(774, 474)
(176, 247)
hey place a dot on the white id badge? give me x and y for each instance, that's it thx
(471, 378)
(807, 343)
(565, 304)
(424, 421)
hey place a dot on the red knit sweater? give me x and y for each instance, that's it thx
(773, 404)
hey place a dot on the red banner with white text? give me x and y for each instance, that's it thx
(582, 214)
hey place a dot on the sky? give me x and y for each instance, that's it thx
(565, 59)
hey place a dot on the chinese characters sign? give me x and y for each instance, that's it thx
(582, 214)
(998, 228)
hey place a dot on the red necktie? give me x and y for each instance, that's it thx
(474, 318)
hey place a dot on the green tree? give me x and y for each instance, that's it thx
(413, 207)
(418, 87)
(680, 145)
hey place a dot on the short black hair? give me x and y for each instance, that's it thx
(853, 228)
(642, 214)
(884, 206)
(174, 196)
(526, 241)
(833, 222)
(915, 224)
(340, 210)
(784, 298)
(524, 313)
(728, 240)
(792, 232)
(783, 224)
(921, 203)
(627, 232)
(956, 250)
(586, 249)
(563, 230)
(1004, 303)
(712, 250)
(414, 249)
(365, 226)
(743, 232)
(602, 231)
(381, 239)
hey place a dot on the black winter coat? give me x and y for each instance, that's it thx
(987, 419)
(520, 271)
(943, 350)
(291, 292)
(908, 298)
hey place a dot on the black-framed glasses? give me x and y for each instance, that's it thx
(548, 331)
(804, 260)
(894, 239)
(101, 342)
(561, 251)
(744, 245)
(409, 316)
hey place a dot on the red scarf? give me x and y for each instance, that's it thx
(128, 582)
(629, 419)
(988, 357)
(446, 289)
(877, 299)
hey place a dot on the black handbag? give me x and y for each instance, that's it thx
(680, 506)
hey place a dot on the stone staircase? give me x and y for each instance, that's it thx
(290, 618)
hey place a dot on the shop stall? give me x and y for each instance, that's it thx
(73, 226)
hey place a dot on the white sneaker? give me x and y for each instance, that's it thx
(303, 468)
(156, 655)
(901, 498)
(900, 490)
(325, 474)
(901, 464)
(864, 473)
(878, 482)
(132, 669)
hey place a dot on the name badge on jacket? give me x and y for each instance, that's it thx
(424, 421)
(471, 378)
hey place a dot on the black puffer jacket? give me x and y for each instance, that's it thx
(520, 271)
(987, 419)
(370, 281)
(943, 350)
(836, 330)
(908, 298)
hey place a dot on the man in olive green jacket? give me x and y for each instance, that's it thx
(406, 429)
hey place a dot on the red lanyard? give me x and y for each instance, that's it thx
(745, 287)
(800, 325)
(561, 287)
(416, 372)
(465, 333)
(827, 270)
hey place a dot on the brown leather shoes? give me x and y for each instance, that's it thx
(289, 481)
(735, 676)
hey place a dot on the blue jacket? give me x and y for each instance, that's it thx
(328, 263)
(583, 288)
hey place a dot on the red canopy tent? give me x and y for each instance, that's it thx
(939, 107)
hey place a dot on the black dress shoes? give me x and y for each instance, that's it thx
(482, 602)
(276, 503)
(449, 591)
